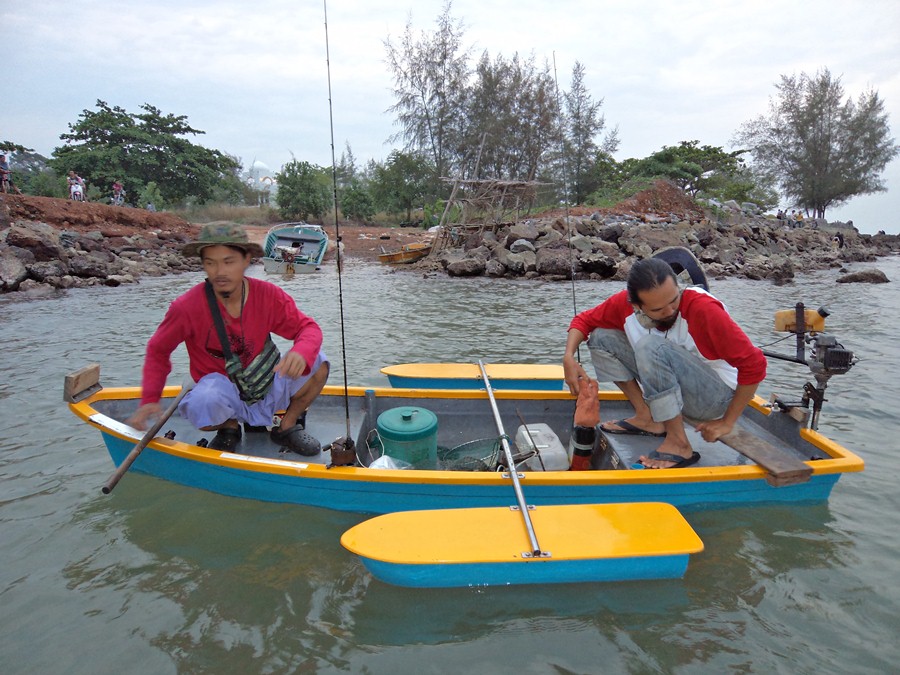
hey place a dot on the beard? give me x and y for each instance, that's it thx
(661, 325)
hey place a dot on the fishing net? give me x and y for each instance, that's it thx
(479, 455)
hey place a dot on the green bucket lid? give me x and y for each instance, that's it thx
(407, 423)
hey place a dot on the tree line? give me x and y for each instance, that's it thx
(494, 118)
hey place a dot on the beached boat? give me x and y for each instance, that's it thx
(532, 376)
(409, 253)
(456, 464)
(294, 248)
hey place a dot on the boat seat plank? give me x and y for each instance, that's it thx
(782, 468)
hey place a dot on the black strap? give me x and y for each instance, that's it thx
(217, 321)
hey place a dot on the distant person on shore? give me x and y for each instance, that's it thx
(672, 353)
(76, 186)
(242, 379)
(150, 207)
(6, 182)
(118, 193)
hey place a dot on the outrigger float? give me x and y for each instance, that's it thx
(418, 449)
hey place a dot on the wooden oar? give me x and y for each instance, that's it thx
(511, 463)
(149, 436)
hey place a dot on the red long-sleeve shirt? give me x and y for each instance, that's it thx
(268, 309)
(703, 327)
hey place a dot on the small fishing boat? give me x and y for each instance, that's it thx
(531, 376)
(406, 254)
(457, 464)
(294, 248)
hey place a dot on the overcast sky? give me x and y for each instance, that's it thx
(252, 75)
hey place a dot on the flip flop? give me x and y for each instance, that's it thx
(296, 440)
(680, 462)
(626, 427)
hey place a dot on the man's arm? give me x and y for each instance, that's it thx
(572, 370)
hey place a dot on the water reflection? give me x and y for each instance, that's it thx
(187, 581)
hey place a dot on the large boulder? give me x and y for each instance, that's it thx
(467, 267)
(872, 276)
(48, 271)
(556, 262)
(12, 271)
(598, 263)
(39, 238)
(527, 230)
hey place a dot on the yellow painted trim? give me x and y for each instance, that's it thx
(468, 371)
(842, 459)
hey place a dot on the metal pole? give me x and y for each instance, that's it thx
(504, 441)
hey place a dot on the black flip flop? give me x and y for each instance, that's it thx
(680, 462)
(627, 428)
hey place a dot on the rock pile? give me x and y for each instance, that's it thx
(84, 249)
(730, 240)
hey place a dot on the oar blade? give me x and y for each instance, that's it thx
(490, 546)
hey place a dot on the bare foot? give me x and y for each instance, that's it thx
(587, 410)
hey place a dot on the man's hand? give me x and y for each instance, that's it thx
(291, 365)
(143, 415)
(574, 374)
(713, 430)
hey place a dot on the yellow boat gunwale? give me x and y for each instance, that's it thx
(469, 371)
(843, 460)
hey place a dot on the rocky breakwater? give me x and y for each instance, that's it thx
(48, 244)
(729, 239)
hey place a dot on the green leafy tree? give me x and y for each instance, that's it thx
(430, 72)
(151, 195)
(401, 183)
(304, 190)
(694, 168)
(582, 124)
(356, 202)
(47, 184)
(136, 148)
(346, 172)
(822, 148)
(510, 113)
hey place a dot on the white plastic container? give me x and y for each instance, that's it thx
(551, 450)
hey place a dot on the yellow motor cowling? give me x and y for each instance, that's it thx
(786, 320)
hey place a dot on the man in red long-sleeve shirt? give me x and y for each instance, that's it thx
(672, 352)
(251, 310)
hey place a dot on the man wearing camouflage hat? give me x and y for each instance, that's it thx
(251, 310)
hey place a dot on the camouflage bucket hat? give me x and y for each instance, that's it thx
(222, 234)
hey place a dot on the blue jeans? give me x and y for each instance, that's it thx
(673, 380)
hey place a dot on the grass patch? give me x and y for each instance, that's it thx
(606, 198)
(244, 215)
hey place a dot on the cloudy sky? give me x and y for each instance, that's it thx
(252, 75)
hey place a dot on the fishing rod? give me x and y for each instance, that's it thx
(565, 169)
(343, 451)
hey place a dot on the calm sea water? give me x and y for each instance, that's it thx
(158, 578)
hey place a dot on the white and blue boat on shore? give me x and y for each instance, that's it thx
(294, 248)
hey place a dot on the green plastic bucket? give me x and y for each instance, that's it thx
(409, 434)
